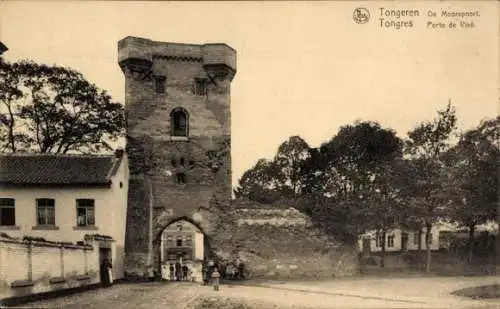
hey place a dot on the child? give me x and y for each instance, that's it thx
(215, 279)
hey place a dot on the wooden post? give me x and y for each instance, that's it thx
(86, 261)
(30, 261)
(61, 254)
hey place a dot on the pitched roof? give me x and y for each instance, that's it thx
(55, 169)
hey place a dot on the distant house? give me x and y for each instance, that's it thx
(398, 240)
(65, 197)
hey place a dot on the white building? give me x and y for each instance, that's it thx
(65, 197)
(399, 240)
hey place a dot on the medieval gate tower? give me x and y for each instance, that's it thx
(177, 99)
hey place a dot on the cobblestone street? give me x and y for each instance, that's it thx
(343, 293)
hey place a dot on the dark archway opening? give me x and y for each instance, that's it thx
(181, 250)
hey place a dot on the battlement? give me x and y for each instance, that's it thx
(145, 50)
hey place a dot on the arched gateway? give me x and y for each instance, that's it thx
(183, 248)
(177, 101)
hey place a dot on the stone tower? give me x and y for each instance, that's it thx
(177, 101)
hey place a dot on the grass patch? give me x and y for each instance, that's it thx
(480, 292)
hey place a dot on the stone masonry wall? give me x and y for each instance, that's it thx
(155, 155)
(280, 242)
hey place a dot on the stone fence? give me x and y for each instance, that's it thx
(33, 267)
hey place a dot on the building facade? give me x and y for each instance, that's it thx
(182, 243)
(62, 198)
(397, 240)
(177, 99)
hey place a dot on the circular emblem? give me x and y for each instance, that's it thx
(361, 15)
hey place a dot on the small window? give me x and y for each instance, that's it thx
(46, 214)
(170, 241)
(415, 238)
(188, 241)
(182, 161)
(378, 241)
(390, 241)
(179, 242)
(160, 84)
(174, 163)
(200, 87)
(85, 212)
(181, 178)
(179, 122)
(7, 212)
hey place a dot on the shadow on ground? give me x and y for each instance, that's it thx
(480, 292)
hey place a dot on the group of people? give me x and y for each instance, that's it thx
(214, 273)
(180, 272)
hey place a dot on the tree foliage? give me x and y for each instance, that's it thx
(366, 178)
(52, 109)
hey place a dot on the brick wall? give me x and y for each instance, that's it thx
(36, 267)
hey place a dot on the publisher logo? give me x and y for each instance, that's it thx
(361, 15)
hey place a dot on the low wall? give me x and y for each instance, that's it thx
(280, 242)
(29, 267)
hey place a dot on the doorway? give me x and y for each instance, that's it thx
(404, 241)
(366, 246)
(105, 261)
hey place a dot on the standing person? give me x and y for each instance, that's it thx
(210, 270)
(184, 272)
(172, 272)
(178, 271)
(216, 279)
(204, 271)
(106, 275)
(241, 270)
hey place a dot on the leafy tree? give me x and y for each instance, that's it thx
(54, 109)
(290, 163)
(425, 145)
(472, 178)
(353, 170)
(260, 183)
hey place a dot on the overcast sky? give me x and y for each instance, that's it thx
(303, 68)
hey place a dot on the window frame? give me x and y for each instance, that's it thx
(160, 84)
(46, 207)
(179, 132)
(390, 241)
(85, 207)
(178, 241)
(200, 87)
(5, 204)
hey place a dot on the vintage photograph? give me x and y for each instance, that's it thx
(249, 154)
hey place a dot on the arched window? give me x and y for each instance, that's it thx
(179, 122)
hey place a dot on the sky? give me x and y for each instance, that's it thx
(304, 68)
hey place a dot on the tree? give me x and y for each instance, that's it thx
(260, 183)
(425, 145)
(52, 109)
(472, 178)
(290, 161)
(356, 192)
